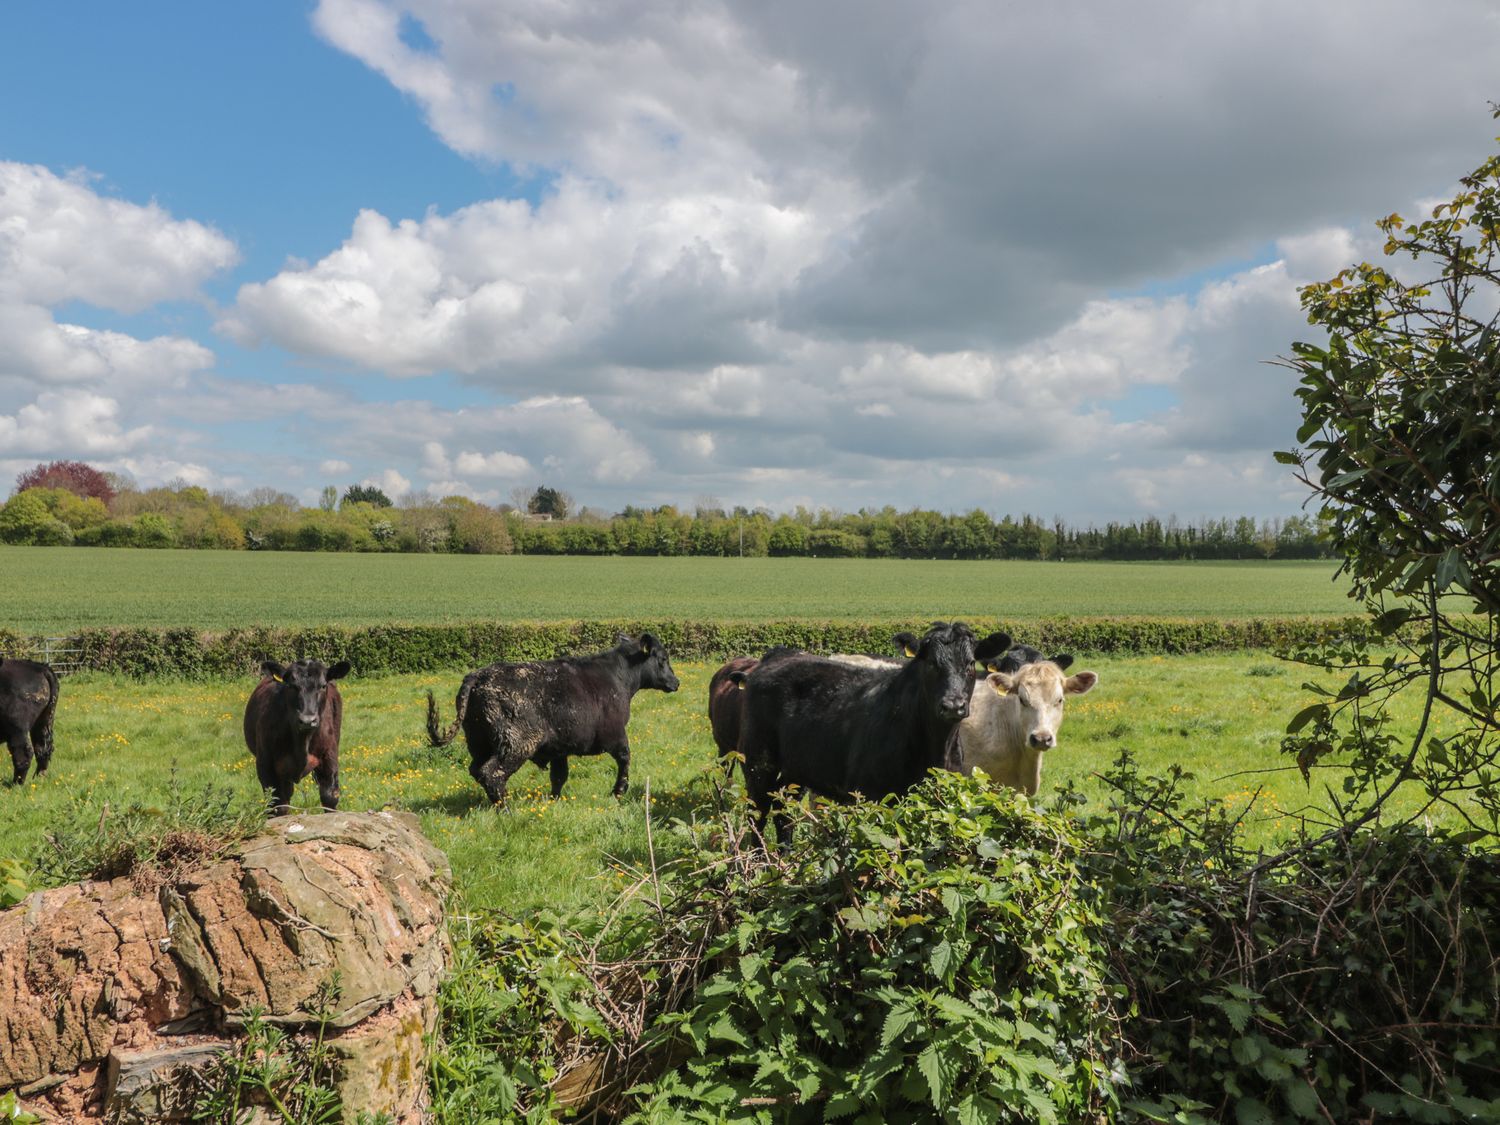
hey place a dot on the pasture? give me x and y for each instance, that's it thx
(122, 742)
(51, 590)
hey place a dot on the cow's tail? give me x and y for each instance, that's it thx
(436, 735)
(43, 741)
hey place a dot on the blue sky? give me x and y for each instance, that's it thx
(839, 255)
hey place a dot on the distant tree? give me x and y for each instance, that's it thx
(549, 502)
(75, 476)
(328, 499)
(366, 494)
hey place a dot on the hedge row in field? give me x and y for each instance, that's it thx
(419, 648)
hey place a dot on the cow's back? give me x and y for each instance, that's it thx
(572, 702)
(826, 725)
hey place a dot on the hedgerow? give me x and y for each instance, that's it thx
(959, 955)
(146, 651)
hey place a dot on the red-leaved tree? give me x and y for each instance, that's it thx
(75, 476)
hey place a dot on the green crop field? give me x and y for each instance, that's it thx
(60, 589)
(123, 743)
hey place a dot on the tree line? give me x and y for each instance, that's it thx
(68, 503)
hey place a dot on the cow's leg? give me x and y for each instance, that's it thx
(328, 788)
(621, 755)
(492, 776)
(758, 789)
(279, 801)
(559, 770)
(41, 743)
(20, 754)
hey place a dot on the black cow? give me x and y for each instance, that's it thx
(843, 729)
(292, 723)
(1021, 655)
(28, 700)
(544, 711)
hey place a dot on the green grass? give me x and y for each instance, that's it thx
(60, 589)
(123, 742)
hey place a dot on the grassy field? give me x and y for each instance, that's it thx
(124, 742)
(60, 589)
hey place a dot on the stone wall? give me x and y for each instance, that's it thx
(109, 995)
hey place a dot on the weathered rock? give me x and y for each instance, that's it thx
(98, 973)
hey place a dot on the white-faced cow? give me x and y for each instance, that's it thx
(1015, 719)
(844, 730)
(545, 711)
(28, 701)
(292, 723)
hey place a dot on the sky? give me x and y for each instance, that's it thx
(945, 254)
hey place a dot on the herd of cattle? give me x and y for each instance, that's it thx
(839, 726)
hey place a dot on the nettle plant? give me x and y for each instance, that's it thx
(1401, 410)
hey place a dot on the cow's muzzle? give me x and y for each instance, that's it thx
(307, 723)
(1042, 740)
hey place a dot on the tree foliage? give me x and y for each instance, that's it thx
(366, 494)
(75, 476)
(1401, 410)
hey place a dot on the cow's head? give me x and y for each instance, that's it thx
(303, 688)
(944, 658)
(648, 654)
(1021, 655)
(1039, 690)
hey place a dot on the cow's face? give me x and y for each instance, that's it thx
(656, 665)
(1039, 690)
(304, 687)
(945, 659)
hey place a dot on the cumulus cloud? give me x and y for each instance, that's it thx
(78, 391)
(61, 241)
(62, 424)
(334, 467)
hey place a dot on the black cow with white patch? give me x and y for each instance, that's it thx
(546, 711)
(28, 700)
(292, 724)
(845, 730)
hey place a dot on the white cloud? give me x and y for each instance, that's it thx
(334, 467)
(60, 241)
(68, 424)
(496, 464)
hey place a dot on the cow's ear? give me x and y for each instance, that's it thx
(648, 642)
(906, 643)
(1080, 682)
(738, 679)
(339, 670)
(624, 640)
(270, 668)
(1003, 682)
(1063, 660)
(993, 645)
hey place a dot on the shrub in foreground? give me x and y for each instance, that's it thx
(960, 955)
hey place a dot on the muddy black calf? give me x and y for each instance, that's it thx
(544, 711)
(292, 726)
(28, 700)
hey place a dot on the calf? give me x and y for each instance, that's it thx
(1015, 719)
(28, 700)
(544, 711)
(844, 729)
(292, 723)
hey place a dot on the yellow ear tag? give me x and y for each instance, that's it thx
(645, 648)
(999, 688)
(910, 651)
(740, 686)
(277, 678)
